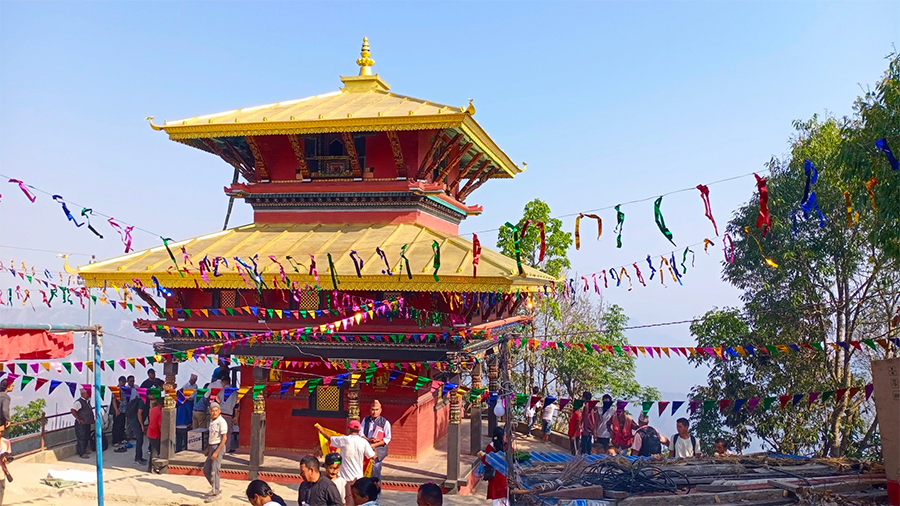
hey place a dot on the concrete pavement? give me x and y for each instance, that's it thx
(126, 483)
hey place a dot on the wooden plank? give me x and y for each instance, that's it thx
(591, 492)
(790, 487)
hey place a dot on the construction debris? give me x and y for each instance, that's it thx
(748, 480)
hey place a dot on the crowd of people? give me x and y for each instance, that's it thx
(606, 428)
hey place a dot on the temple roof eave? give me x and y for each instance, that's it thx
(462, 121)
(496, 272)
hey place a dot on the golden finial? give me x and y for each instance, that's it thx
(365, 63)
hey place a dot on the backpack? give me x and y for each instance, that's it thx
(650, 444)
(675, 441)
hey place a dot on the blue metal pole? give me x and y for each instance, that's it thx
(97, 416)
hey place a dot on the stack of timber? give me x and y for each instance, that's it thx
(747, 480)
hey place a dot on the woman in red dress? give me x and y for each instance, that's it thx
(497, 489)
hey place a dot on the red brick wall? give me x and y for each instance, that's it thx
(431, 425)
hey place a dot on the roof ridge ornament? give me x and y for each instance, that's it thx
(365, 63)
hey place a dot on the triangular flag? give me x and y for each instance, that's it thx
(662, 406)
(784, 400)
(676, 405)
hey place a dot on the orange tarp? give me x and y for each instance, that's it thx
(16, 344)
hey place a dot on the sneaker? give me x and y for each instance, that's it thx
(85, 456)
(213, 498)
(140, 461)
(121, 449)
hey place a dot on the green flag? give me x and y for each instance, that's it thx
(709, 405)
(645, 406)
(313, 383)
(767, 402)
(257, 390)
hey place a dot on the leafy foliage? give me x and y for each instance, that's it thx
(33, 410)
(836, 282)
(557, 240)
(578, 320)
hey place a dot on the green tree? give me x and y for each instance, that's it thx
(33, 410)
(557, 241)
(836, 281)
(573, 319)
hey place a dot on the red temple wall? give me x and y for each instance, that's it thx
(279, 157)
(380, 156)
(414, 423)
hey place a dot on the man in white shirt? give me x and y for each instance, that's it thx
(215, 451)
(547, 416)
(683, 445)
(227, 407)
(605, 413)
(354, 449)
(377, 430)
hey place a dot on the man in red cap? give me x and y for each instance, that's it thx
(354, 449)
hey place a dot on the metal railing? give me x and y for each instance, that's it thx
(47, 426)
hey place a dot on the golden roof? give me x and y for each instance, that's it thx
(364, 104)
(496, 272)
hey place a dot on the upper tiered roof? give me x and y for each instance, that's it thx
(363, 104)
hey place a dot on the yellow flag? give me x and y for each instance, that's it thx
(324, 442)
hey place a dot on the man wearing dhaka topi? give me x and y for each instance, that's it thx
(377, 430)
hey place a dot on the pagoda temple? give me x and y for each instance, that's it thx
(353, 263)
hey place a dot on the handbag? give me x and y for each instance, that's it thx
(489, 473)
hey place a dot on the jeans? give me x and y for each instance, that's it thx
(138, 431)
(154, 452)
(212, 466)
(118, 431)
(82, 438)
(587, 443)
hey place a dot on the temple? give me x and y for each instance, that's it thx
(352, 271)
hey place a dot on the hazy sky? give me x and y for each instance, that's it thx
(606, 102)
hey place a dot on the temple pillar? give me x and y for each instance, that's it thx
(168, 420)
(494, 387)
(166, 432)
(353, 399)
(475, 424)
(453, 452)
(257, 436)
(170, 371)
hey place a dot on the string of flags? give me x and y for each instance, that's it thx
(253, 277)
(269, 389)
(718, 352)
(707, 405)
